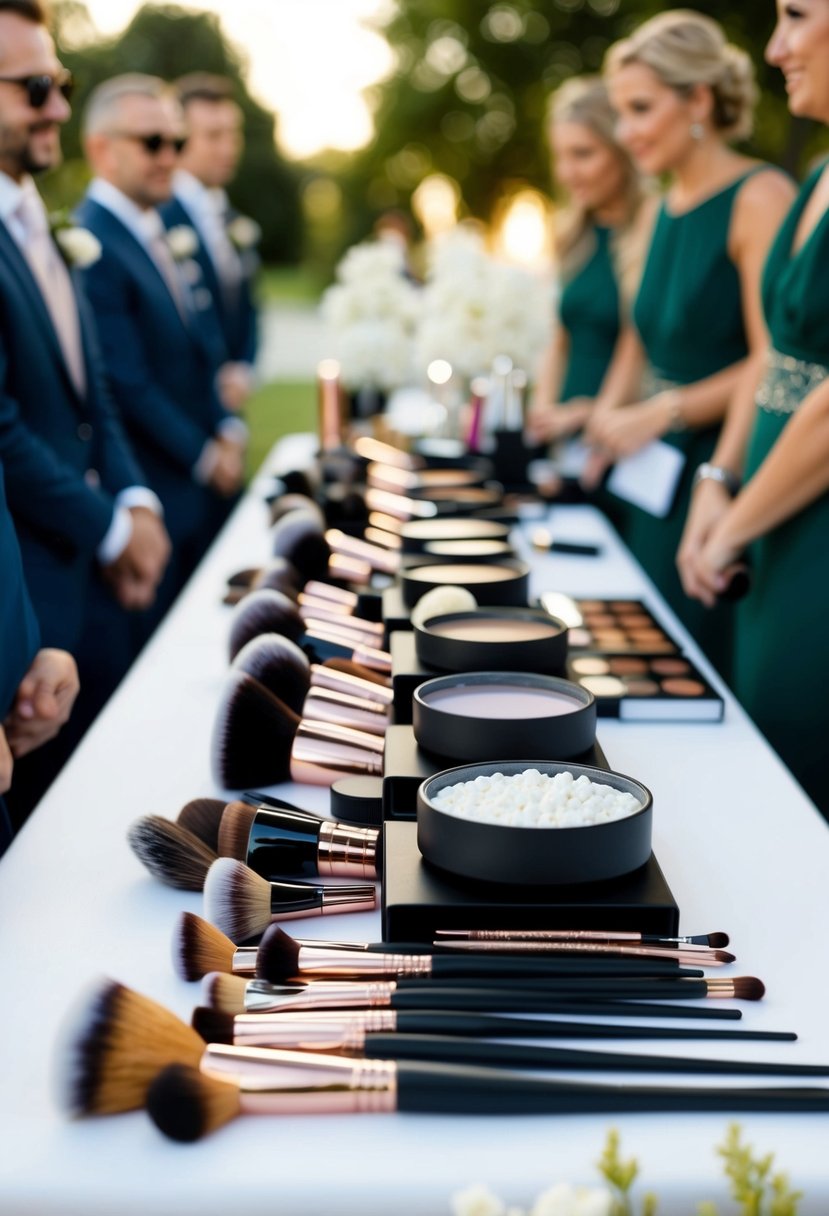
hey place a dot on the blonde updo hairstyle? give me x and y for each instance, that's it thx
(685, 49)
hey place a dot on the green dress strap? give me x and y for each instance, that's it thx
(589, 312)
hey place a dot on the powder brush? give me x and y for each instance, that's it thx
(298, 537)
(242, 904)
(274, 842)
(715, 941)
(187, 1103)
(388, 1035)
(258, 740)
(278, 575)
(171, 853)
(232, 994)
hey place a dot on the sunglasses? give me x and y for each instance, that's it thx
(153, 144)
(38, 88)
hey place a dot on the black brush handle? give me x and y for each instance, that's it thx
(499, 1000)
(255, 798)
(450, 966)
(282, 842)
(458, 1050)
(485, 1025)
(458, 1089)
(291, 898)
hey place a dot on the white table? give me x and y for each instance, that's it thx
(741, 846)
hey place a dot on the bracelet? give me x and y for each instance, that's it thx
(672, 398)
(715, 472)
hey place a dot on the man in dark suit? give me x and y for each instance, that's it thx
(227, 240)
(79, 502)
(156, 325)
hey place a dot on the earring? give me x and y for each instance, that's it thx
(697, 131)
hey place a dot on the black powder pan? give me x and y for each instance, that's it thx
(493, 639)
(492, 583)
(478, 715)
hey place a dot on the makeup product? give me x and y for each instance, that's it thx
(202, 817)
(298, 537)
(416, 534)
(358, 800)
(421, 481)
(619, 626)
(542, 540)
(491, 583)
(172, 854)
(699, 941)
(278, 575)
(284, 843)
(647, 688)
(468, 550)
(242, 904)
(490, 639)
(269, 611)
(513, 714)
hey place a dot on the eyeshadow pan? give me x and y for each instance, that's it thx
(628, 667)
(679, 687)
(603, 686)
(493, 629)
(590, 666)
(643, 688)
(670, 667)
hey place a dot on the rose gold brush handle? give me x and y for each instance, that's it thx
(349, 630)
(356, 686)
(399, 506)
(327, 1030)
(700, 957)
(262, 997)
(349, 570)
(352, 546)
(322, 705)
(322, 752)
(386, 540)
(335, 595)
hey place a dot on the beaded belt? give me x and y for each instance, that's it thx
(787, 382)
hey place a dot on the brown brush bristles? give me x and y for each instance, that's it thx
(252, 735)
(279, 664)
(121, 1045)
(263, 611)
(723, 956)
(199, 947)
(234, 832)
(170, 852)
(356, 669)
(213, 1025)
(749, 988)
(277, 958)
(224, 992)
(718, 941)
(236, 900)
(186, 1105)
(202, 817)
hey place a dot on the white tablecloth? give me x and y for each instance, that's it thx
(742, 848)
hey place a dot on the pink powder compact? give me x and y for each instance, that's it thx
(493, 639)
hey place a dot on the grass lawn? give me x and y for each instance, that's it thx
(289, 285)
(277, 409)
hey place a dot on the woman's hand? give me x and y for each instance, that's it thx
(709, 505)
(716, 562)
(625, 429)
(547, 423)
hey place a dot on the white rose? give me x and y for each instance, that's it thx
(182, 241)
(566, 1200)
(244, 232)
(80, 247)
(477, 1201)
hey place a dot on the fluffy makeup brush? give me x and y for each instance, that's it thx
(278, 575)
(199, 948)
(170, 852)
(275, 842)
(258, 740)
(298, 537)
(295, 502)
(279, 664)
(202, 817)
(263, 611)
(242, 904)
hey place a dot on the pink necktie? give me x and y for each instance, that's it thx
(165, 262)
(54, 282)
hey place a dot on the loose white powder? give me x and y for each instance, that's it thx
(533, 800)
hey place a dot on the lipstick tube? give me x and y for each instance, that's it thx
(281, 842)
(323, 705)
(352, 546)
(322, 752)
(355, 686)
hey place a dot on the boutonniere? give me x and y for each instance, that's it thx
(183, 242)
(244, 233)
(79, 247)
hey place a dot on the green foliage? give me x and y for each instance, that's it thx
(620, 1176)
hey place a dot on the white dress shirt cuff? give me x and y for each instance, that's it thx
(140, 496)
(117, 537)
(234, 430)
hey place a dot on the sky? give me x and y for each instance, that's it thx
(309, 59)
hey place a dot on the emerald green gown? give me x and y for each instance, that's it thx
(589, 312)
(782, 645)
(689, 316)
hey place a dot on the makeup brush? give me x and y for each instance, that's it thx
(258, 740)
(278, 574)
(384, 560)
(202, 817)
(388, 1035)
(242, 904)
(187, 1103)
(351, 667)
(294, 501)
(323, 675)
(279, 664)
(715, 941)
(269, 611)
(694, 956)
(298, 537)
(170, 852)
(280, 842)
(233, 994)
(346, 600)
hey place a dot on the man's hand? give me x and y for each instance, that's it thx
(6, 764)
(43, 703)
(228, 471)
(136, 573)
(234, 382)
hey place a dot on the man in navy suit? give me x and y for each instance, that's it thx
(227, 240)
(79, 502)
(155, 319)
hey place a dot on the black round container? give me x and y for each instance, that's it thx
(492, 588)
(468, 550)
(460, 500)
(418, 533)
(468, 736)
(533, 856)
(546, 654)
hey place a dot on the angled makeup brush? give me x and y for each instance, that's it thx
(279, 664)
(233, 994)
(187, 1103)
(280, 842)
(716, 941)
(202, 817)
(258, 740)
(170, 852)
(453, 1038)
(298, 537)
(242, 904)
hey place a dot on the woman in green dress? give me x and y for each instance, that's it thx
(595, 243)
(682, 93)
(779, 441)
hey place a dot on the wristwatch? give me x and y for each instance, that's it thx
(715, 472)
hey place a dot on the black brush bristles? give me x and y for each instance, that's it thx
(252, 735)
(279, 575)
(213, 1025)
(224, 992)
(298, 536)
(234, 832)
(202, 817)
(199, 948)
(120, 1043)
(236, 900)
(717, 941)
(278, 664)
(263, 611)
(186, 1105)
(277, 958)
(748, 988)
(171, 853)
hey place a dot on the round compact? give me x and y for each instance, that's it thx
(418, 533)
(476, 715)
(519, 855)
(492, 583)
(468, 550)
(492, 639)
(421, 481)
(460, 500)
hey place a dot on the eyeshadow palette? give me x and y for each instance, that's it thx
(646, 688)
(617, 626)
